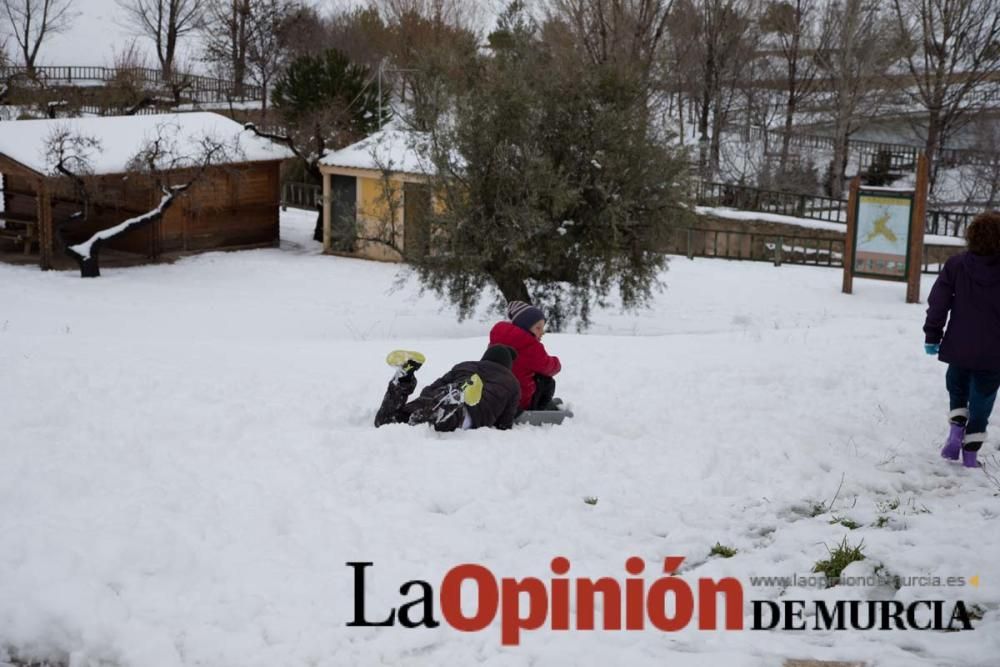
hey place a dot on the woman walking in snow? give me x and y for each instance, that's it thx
(533, 367)
(966, 295)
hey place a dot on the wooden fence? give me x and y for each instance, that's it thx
(777, 249)
(301, 195)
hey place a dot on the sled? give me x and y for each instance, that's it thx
(543, 417)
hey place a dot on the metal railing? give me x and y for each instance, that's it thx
(902, 157)
(198, 88)
(748, 198)
(812, 207)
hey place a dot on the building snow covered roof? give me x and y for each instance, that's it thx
(121, 137)
(393, 150)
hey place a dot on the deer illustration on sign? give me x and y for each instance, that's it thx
(880, 227)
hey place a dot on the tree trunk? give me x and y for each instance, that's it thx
(841, 144)
(786, 137)
(931, 147)
(513, 288)
(715, 158)
(318, 230)
(793, 85)
(704, 111)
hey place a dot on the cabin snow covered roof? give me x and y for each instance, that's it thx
(121, 137)
(395, 150)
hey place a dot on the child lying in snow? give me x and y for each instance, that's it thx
(533, 367)
(969, 289)
(471, 395)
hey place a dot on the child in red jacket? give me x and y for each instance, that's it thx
(533, 366)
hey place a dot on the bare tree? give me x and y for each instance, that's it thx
(225, 31)
(272, 33)
(720, 35)
(458, 13)
(169, 167)
(31, 21)
(856, 55)
(954, 45)
(165, 22)
(630, 32)
(793, 23)
(979, 180)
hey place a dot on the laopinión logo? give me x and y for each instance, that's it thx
(667, 604)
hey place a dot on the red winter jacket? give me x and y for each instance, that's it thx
(531, 357)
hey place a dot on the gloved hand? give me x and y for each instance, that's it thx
(932, 348)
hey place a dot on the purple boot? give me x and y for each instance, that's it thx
(969, 458)
(954, 444)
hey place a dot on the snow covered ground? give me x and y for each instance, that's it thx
(187, 462)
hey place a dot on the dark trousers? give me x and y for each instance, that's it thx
(545, 391)
(426, 409)
(975, 390)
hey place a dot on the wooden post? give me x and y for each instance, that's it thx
(852, 223)
(327, 214)
(45, 231)
(917, 225)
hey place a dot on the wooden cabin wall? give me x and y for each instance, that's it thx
(120, 199)
(232, 206)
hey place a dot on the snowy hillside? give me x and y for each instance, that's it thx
(187, 462)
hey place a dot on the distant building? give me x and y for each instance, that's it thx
(379, 197)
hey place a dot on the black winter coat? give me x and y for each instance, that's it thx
(501, 392)
(967, 296)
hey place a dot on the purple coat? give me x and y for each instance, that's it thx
(969, 289)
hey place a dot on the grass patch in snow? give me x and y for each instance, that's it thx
(722, 550)
(590, 500)
(840, 557)
(895, 505)
(850, 524)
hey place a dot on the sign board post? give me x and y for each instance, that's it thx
(852, 221)
(917, 234)
(885, 234)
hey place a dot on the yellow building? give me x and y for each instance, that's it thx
(377, 197)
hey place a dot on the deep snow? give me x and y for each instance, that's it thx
(188, 462)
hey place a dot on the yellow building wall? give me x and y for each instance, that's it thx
(372, 212)
(375, 217)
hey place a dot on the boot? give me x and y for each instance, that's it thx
(406, 363)
(969, 458)
(970, 448)
(954, 445)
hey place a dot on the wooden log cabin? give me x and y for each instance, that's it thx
(234, 204)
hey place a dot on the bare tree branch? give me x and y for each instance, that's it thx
(32, 21)
(164, 22)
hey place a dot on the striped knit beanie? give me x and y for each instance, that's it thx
(523, 314)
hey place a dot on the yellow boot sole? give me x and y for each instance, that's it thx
(405, 360)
